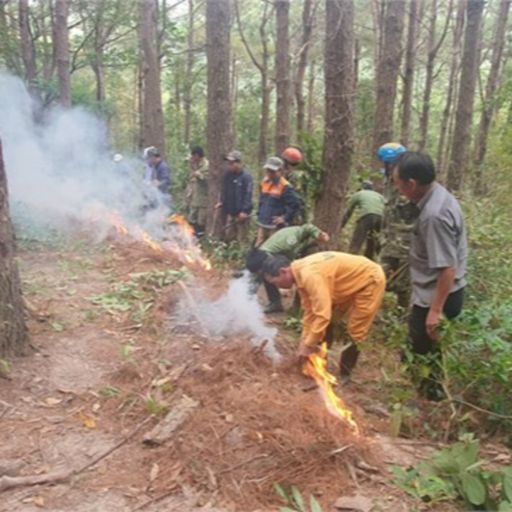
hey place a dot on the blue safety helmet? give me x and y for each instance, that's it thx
(389, 153)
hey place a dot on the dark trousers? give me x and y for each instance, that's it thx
(349, 356)
(272, 292)
(367, 229)
(422, 344)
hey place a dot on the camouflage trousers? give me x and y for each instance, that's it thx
(397, 277)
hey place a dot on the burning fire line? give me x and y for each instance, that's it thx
(316, 368)
(185, 248)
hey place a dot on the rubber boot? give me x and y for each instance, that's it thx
(348, 361)
(273, 307)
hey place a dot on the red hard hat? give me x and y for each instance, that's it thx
(292, 155)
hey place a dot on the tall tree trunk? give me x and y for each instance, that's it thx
(490, 90)
(387, 71)
(27, 43)
(99, 73)
(13, 331)
(307, 29)
(282, 75)
(48, 53)
(339, 95)
(263, 68)
(464, 117)
(410, 57)
(61, 45)
(442, 144)
(432, 50)
(219, 131)
(429, 77)
(311, 97)
(187, 93)
(153, 131)
(233, 87)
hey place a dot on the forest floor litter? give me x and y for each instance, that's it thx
(140, 410)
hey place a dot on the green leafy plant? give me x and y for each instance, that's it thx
(137, 295)
(295, 501)
(458, 472)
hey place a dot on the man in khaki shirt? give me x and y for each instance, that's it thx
(328, 282)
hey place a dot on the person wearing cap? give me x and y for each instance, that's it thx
(293, 242)
(198, 186)
(397, 227)
(438, 263)
(236, 198)
(278, 203)
(292, 158)
(331, 284)
(158, 172)
(371, 208)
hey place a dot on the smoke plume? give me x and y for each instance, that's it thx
(60, 170)
(236, 313)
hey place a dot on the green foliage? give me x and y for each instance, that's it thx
(155, 407)
(222, 252)
(457, 472)
(110, 391)
(295, 501)
(137, 295)
(5, 368)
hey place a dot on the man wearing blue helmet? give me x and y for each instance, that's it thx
(397, 227)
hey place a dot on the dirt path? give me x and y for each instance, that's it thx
(95, 376)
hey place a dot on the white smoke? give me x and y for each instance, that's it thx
(236, 313)
(60, 170)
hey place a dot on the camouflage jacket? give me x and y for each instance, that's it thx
(400, 214)
(199, 184)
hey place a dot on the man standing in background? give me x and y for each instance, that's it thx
(198, 190)
(368, 225)
(397, 226)
(278, 203)
(236, 198)
(158, 173)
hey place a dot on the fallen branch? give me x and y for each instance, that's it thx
(479, 409)
(8, 482)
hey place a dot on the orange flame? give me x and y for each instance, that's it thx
(316, 368)
(186, 247)
(184, 244)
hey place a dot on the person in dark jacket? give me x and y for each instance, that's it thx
(159, 173)
(236, 198)
(278, 202)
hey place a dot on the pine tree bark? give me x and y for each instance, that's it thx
(433, 47)
(262, 66)
(61, 45)
(410, 57)
(464, 116)
(339, 97)
(27, 43)
(152, 112)
(442, 144)
(490, 90)
(387, 71)
(283, 90)
(46, 31)
(311, 97)
(307, 30)
(13, 331)
(219, 129)
(189, 85)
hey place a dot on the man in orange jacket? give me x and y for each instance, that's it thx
(330, 282)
